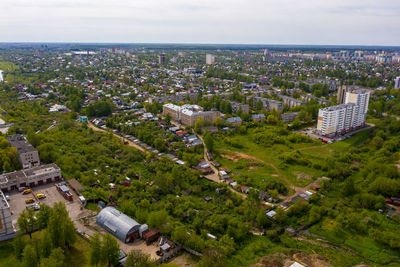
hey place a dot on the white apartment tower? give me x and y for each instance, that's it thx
(346, 117)
(397, 83)
(210, 59)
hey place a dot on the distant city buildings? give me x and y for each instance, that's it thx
(236, 106)
(344, 117)
(210, 59)
(269, 104)
(161, 59)
(189, 114)
(397, 83)
(291, 102)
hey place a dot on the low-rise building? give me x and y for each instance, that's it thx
(258, 117)
(28, 156)
(118, 224)
(288, 117)
(35, 176)
(7, 230)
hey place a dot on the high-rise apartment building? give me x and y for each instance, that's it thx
(210, 59)
(397, 83)
(161, 59)
(341, 93)
(345, 117)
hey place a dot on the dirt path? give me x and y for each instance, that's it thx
(126, 141)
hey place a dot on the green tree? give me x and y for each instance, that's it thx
(43, 216)
(110, 250)
(27, 222)
(56, 259)
(60, 226)
(95, 249)
(18, 245)
(167, 119)
(30, 258)
(46, 244)
(209, 141)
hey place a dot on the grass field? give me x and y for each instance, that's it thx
(253, 164)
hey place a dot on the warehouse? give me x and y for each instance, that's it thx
(118, 224)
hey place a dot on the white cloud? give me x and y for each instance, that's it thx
(207, 21)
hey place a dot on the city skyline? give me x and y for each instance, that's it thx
(236, 22)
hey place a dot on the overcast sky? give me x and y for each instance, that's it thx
(336, 22)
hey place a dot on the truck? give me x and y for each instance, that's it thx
(64, 191)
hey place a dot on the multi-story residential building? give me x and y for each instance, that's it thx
(288, 117)
(189, 114)
(7, 230)
(35, 176)
(28, 156)
(161, 59)
(292, 102)
(345, 117)
(341, 93)
(184, 96)
(397, 83)
(210, 59)
(236, 106)
(269, 104)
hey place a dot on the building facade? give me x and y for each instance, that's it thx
(189, 114)
(291, 102)
(346, 117)
(269, 104)
(210, 59)
(28, 156)
(236, 106)
(397, 83)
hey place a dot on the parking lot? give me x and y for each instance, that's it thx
(17, 201)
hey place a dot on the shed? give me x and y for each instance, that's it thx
(75, 185)
(121, 226)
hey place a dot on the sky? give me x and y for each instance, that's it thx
(314, 22)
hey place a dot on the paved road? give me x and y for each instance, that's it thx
(126, 141)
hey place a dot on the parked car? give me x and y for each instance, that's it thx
(29, 200)
(40, 196)
(26, 191)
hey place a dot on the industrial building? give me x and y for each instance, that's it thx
(118, 224)
(35, 176)
(189, 114)
(7, 230)
(28, 156)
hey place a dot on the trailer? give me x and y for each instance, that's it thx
(64, 191)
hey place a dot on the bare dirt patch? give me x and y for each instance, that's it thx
(282, 260)
(303, 176)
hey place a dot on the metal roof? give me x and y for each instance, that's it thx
(117, 223)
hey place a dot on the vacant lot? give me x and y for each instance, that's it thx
(295, 164)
